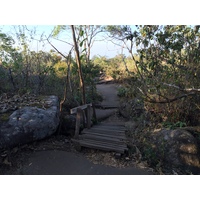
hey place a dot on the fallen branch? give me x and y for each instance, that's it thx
(181, 89)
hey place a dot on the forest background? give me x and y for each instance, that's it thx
(43, 13)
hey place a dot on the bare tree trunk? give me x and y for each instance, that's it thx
(11, 79)
(78, 61)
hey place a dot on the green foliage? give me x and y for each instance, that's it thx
(58, 29)
(171, 125)
(120, 31)
(28, 71)
(118, 67)
(168, 64)
(121, 92)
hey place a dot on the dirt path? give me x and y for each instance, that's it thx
(109, 105)
(56, 156)
(56, 162)
(109, 94)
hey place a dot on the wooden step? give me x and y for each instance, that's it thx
(109, 137)
(106, 134)
(102, 138)
(107, 128)
(104, 130)
(102, 146)
(110, 127)
(107, 143)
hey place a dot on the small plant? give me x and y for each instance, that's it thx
(121, 92)
(171, 125)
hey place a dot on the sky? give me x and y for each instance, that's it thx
(99, 48)
(46, 14)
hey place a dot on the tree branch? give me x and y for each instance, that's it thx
(185, 90)
(63, 41)
(170, 100)
(167, 100)
(57, 49)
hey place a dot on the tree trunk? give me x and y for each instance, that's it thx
(11, 79)
(78, 61)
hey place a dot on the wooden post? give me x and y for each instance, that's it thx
(88, 116)
(84, 118)
(94, 114)
(78, 122)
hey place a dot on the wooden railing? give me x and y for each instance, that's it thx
(85, 112)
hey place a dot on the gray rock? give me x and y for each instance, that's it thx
(133, 108)
(177, 148)
(30, 123)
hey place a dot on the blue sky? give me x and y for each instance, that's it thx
(99, 48)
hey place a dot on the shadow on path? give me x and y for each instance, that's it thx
(68, 163)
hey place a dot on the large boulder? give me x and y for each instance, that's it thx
(30, 123)
(133, 108)
(177, 148)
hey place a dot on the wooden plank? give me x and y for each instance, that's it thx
(98, 137)
(84, 118)
(105, 143)
(111, 127)
(95, 146)
(112, 123)
(89, 145)
(102, 146)
(106, 129)
(108, 136)
(94, 113)
(104, 134)
(74, 110)
(88, 116)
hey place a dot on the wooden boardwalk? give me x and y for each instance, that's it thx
(98, 136)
